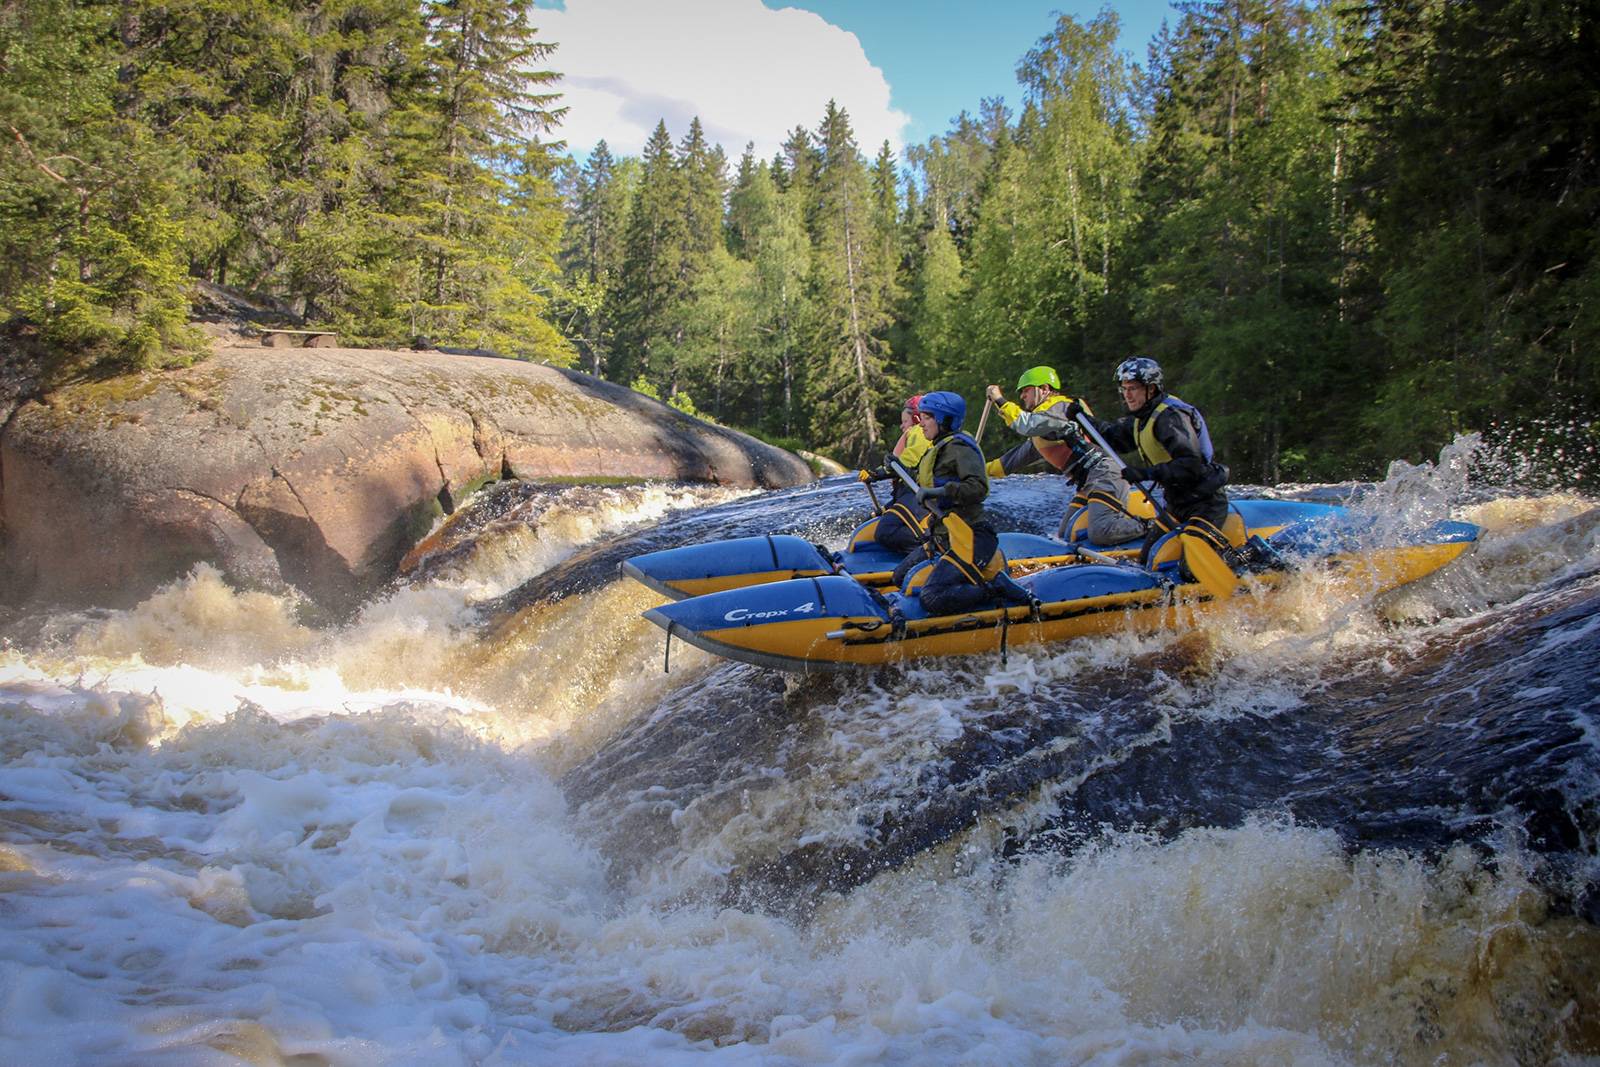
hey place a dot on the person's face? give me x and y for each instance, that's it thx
(908, 418)
(1032, 396)
(1134, 395)
(930, 425)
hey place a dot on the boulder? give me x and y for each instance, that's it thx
(314, 469)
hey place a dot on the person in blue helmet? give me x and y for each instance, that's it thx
(1172, 443)
(969, 568)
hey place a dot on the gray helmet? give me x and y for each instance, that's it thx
(1140, 369)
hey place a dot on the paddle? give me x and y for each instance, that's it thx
(877, 508)
(956, 525)
(1209, 568)
(983, 420)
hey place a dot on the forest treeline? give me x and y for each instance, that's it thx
(1349, 231)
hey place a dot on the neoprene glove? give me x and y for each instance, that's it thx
(930, 492)
(1074, 409)
(1134, 475)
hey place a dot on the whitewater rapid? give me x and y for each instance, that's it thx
(479, 824)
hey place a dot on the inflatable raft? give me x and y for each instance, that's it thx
(834, 620)
(694, 570)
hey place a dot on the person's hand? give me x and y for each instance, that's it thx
(1136, 475)
(1074, 409)
(994, 393)
(926, 493)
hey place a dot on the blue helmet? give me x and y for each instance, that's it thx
(947, 409)
(1140, 369)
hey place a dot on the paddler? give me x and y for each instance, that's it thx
(969, 568)
(1050, 436)
(1173, 445)
(904, 523)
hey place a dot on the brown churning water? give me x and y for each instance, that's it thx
(478, 824)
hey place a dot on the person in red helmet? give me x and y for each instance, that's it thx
(904, 523)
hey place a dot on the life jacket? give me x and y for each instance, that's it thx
(916, 443)
(1144, 432)
(925, 475)
(958, 546)
(1059, 454)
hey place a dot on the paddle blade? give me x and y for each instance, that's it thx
(1207, 566)
(960, 535)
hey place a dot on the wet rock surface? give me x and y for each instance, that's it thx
(313, 470)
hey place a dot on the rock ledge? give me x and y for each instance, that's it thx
(313, 468)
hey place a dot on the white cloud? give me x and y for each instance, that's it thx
(749, 73)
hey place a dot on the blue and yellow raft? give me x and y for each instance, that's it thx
(694, 570)
(832, 619)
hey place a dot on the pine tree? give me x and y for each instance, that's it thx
(741, 211)
(887, 235)
(1478, 168)
(1054, 209)
(705, 185)
(1242, 258)
(938, 352)
(780, 252)
(472, 133)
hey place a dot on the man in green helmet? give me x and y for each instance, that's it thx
(1055, 439)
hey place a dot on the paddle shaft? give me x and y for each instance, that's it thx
(1209, 568)
(983, 420)
(1094, 435)
(905, 476)
(877, 508)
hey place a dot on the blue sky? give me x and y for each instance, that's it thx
(752, 70)
(943, 56)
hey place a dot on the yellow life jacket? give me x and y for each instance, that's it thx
(1144, 432)
(916, 444)
(930, 457)
(1151, 451)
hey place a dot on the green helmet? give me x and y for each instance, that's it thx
(1039, 376)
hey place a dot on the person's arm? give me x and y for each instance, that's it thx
(1018, 457)
(968, 484)
(1052, 424)
(1118, 433)
(959, 471)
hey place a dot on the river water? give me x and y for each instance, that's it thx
(479, 824)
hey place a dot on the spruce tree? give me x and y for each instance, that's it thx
(91, 199)
(592, 252)
(653, 279)
(472, 136)
(1478, 169)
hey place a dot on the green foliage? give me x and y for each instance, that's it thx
(1481, 180)
(373, 164)
(681, 401)
(1348, 231)
(849, 386)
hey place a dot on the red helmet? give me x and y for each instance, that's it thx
(914, 403)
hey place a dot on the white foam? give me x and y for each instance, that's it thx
(230, 836)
